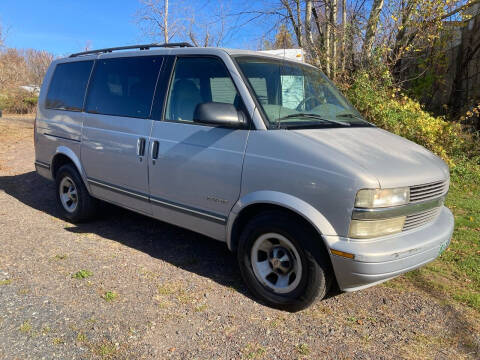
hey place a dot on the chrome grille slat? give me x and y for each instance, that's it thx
(422, 214)
(428, 191)
(427, 197)
(415, 187)
(421, 219)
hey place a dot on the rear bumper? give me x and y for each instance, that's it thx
(383, 258)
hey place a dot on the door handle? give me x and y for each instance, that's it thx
(141, 147)
(155, 147)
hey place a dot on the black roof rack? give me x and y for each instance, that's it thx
(141, 47)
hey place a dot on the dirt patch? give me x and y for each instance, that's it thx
(129, 287)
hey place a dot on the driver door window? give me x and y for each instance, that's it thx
(196, 81)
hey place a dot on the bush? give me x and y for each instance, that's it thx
(384, 106)
(18, 101)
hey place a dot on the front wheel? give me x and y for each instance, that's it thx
(276, 264)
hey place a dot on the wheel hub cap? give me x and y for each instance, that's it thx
(68, 194)
(276, 263)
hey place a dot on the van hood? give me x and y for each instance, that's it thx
(393, 160)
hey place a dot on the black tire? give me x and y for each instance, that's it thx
(316, 275)
(86, 205)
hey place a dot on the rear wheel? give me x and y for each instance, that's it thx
(73, 199)
(276, 263)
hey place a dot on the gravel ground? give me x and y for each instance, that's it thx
(155, 291)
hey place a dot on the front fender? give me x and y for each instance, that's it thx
(299, 206)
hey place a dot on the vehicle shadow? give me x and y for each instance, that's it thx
(180, 247)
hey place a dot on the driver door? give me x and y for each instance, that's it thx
(195, 169)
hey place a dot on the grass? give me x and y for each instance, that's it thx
(303, 349)
(254, 352)
(110, 296)
(82, 274)
(455, 275)
(6, 282)
(26, 327)
(105, 350)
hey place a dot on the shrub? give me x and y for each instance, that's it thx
(18, 101)
(387, 108)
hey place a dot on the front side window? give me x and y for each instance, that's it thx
(198, 80)
(123, 86)
(296, 95)
(68, 85)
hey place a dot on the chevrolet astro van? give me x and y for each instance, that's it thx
(251, 149)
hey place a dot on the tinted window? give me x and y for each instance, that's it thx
(123, 86)
(67, 88)
(196, 81)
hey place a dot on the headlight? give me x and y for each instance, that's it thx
(376, 198)
(363, 229)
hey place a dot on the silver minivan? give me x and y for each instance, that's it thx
(250, 149)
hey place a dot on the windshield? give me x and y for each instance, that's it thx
(297, 95)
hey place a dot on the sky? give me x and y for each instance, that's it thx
(66, 26)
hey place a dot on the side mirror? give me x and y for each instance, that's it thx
(216, 113)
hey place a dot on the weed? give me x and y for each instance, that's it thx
(26, 327)
(109, 296)
(106, 350)
(254, 352)
(6, 282)
(58, 341)
(201, 308)
(303, 349)
(82, 338)
(82, 274)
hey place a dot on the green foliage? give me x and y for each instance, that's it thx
(109, 296)
(382, 104)
(18, 101)
(82, 274)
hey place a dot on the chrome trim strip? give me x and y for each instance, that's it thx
(161, 202)
(118, 189)
(202, 213)
(61, 137)
(42, 164)
(396, 211)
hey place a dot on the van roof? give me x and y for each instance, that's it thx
(166, 49)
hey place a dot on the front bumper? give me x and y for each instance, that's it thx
(380, 259)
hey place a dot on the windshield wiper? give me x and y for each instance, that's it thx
(350, 116)
(312, 116)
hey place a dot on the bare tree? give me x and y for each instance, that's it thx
(153, 18)
(1, 36)
(13, 69)
(161, 19)
(37, 64)
(344, 35)
(371, 30)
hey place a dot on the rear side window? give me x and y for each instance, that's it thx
(68, 85)
(123, 86)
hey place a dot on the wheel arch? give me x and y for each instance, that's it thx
(64, 155)
(256, 202)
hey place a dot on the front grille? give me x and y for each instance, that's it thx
(420, 219)
(426, 192)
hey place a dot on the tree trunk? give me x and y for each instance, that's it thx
(371, 31)
(296, 26)
(333, 23)
(308, 33)
(328, 49)
(165, 22)
(344, 31)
